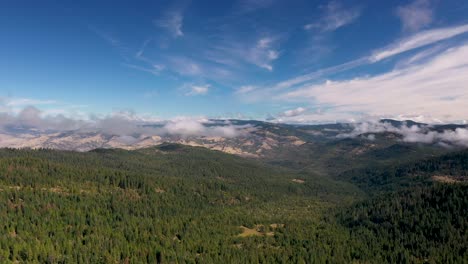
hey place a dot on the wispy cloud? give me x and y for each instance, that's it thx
(172, 21)
(421, 56)
(335, 16)
(263, 53)
(245, 89)
(418, 40)
(154, 69)
(109, 38)
(320, 73)
(150, 65)
(412, 42)
(435, 89)
(185, 66)
(115, 42)
(416, 15)
(260, 51)
(196, 89)
(319, 43)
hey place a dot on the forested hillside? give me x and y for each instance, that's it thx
(179, 204)
(417, 225)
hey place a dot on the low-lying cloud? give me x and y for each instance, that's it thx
(31, 118)
(413, 134)
(191, 127)
(125, 125)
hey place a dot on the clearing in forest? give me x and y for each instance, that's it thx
(256, 231)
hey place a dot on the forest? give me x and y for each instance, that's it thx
(178, 204)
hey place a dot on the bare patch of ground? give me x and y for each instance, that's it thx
(298, 181)
(448, 179)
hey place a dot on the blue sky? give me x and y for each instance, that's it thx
(285, 61)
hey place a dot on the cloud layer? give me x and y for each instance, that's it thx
(412, 134)
(124, 124)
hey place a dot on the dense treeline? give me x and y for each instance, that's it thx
(394, 177)
(423, 224)
(177, 204)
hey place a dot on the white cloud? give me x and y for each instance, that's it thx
(245, 89)
(436, 89)
(263, 54)
(18, 106)
(192, 67)
(197, 89)
(418, 40)
(193, 127)
(172, 22)
(335, 16)
(416, 15)
(184, 127)
(126, 125)
(412, 134)
(316, 74)
(32, 118)
(421, 56)
(293, 112)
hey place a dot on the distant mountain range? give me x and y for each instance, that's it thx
(255, 138)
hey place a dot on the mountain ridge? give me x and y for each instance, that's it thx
(254, 138)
